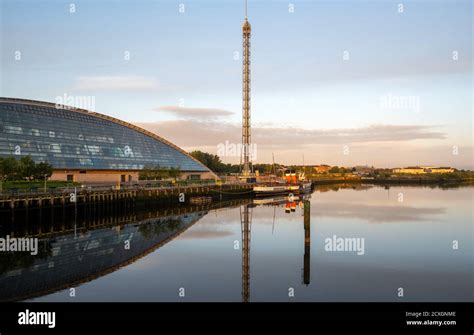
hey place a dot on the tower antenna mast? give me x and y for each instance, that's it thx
(246, 95)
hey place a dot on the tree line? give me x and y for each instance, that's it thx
(214, 163)
(25, 168)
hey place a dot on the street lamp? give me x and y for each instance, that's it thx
(45, 176)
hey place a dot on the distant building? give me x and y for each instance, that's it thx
(322, 168)
(363, 170)
(84, 146)
(423, 170)
(410, 170)
(439, 169)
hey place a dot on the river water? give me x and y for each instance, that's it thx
(340, 243)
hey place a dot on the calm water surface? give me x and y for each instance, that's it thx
(408, 235)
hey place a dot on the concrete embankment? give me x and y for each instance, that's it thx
(85, 196)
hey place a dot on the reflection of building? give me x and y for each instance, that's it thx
(423, 170)
(75, 259)
(87, 146)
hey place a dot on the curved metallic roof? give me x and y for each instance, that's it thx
(106, 118)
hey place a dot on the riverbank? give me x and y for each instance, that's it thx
(164, 195)
(431, 179)
(197, 194)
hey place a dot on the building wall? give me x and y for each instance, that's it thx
(410, 171)
(423, 170)
(95, 176)
(113, 177)
(442, 170)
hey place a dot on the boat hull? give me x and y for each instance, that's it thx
(276, 190)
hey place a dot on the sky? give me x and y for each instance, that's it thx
(333, 82)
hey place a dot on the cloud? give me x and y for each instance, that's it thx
(190, 132)
(378, 145)
(372, 133)
(194, 113)
(200, 133)
(115, 83)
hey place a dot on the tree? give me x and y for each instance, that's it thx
(334, 169)
(27, 168)
(174, 173)
(146, 172)
(8, 168)
(42, 170)
(213, 162)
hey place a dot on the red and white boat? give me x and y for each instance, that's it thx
(290, 185)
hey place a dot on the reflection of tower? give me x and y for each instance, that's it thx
(307, 242)
(246, 95)
(245, 222)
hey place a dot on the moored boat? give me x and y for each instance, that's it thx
(305, 186)
(275, 189)
(290, 185)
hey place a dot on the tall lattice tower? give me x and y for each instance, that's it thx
(246, 95)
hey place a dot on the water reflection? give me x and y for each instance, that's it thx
(307, 243)
(72, 251)
(408, 244)
(290, 204)
(245, 221)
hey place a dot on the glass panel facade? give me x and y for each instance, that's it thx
(71, 140)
